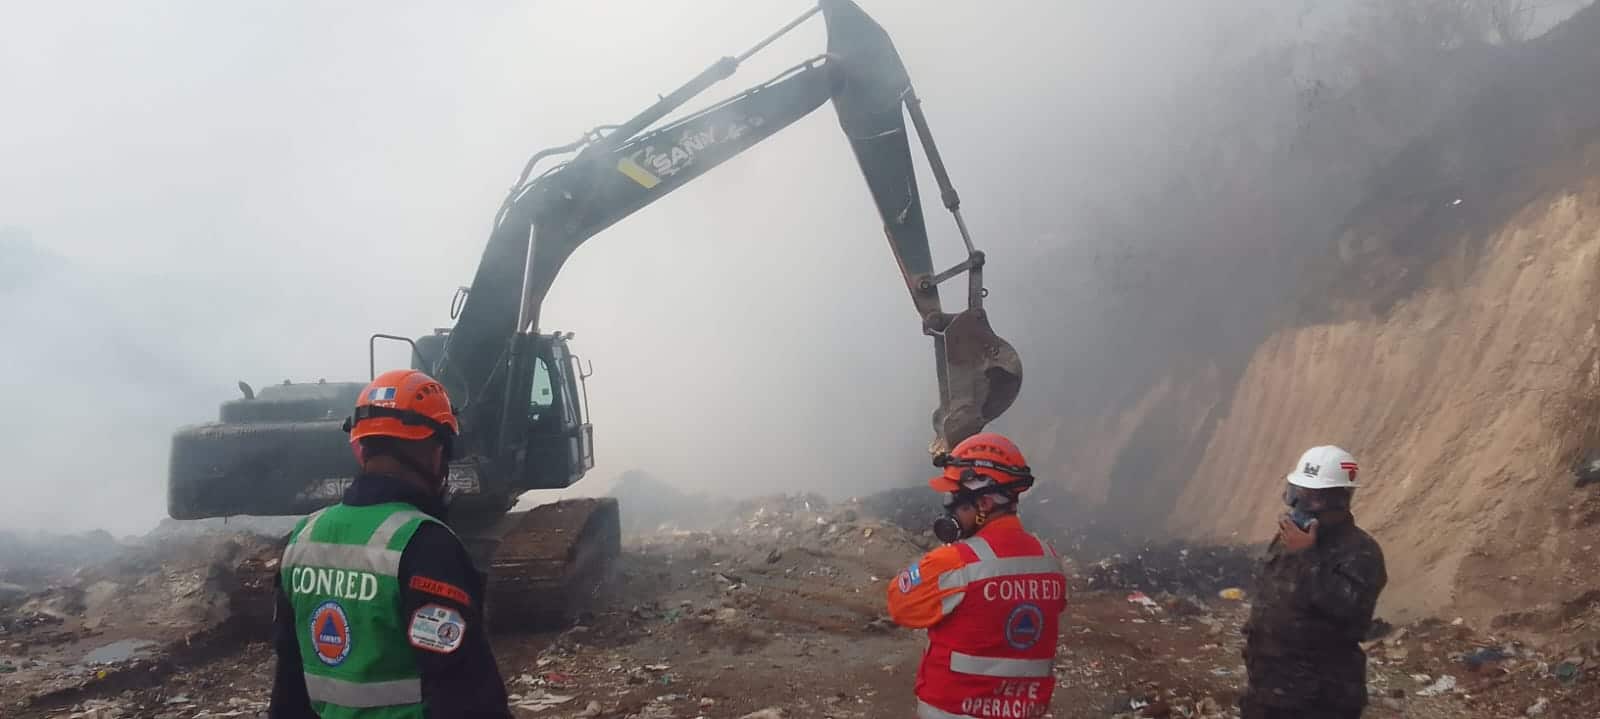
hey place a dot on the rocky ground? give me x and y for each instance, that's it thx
(775, 610)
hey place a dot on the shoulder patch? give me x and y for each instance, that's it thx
(911, 577)
(437, 628)
(441, 589)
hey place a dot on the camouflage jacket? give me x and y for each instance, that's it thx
(1309, 614)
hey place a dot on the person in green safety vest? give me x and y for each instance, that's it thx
(379, 608)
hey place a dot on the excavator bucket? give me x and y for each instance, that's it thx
(981, 374)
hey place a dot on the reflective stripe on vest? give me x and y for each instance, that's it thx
(992, 568)
(929, 711)
(999, 667)
(363, 695)
(374, 558)
(980, 547)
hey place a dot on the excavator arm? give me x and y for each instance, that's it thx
(615, 171)
(524, 423)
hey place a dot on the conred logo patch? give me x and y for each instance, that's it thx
(1024, 627)
(330, 633)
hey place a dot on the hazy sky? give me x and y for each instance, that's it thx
(248, 190)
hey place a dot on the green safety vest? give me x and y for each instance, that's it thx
(341, 571)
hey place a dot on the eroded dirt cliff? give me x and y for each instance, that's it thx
(1446, 333)
(1466, 404)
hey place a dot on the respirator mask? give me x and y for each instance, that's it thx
(945, 526)
(1298, 513)
(1305, 504)
(972, 485)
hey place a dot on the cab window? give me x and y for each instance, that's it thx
(542, 398)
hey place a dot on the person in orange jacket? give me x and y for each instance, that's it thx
(990, 598)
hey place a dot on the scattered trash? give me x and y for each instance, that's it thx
(1144, 602)
(1484, 655)
(768, 713)
(1232, 594)
(539, 700)
(1443, 685)
(1587, 470)
(1175, 568)
(1537, 708)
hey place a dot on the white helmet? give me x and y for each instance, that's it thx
(1325, 467)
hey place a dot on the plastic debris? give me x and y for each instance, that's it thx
(540, 700)
(1442, 685)
(1484, 655)
(1144, 602)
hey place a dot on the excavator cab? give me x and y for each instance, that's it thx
(544, 432)
(551, 403)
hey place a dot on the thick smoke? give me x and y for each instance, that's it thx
(214, 192)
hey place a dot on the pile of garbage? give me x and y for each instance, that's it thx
(1174, 568)
(910, 508)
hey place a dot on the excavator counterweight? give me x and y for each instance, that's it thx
(521, 392)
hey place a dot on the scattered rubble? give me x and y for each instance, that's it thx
(773, 608)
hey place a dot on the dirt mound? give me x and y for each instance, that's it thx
(33, 561)
(149, 609)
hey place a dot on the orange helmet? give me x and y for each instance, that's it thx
(983, 459)
(404, 404)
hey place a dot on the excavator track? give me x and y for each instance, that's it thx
(549, 562)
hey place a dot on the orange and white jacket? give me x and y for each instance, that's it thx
(991, 604)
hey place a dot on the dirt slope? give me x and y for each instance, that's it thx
(1447, 334)
(1449, 339)
(1463, 405)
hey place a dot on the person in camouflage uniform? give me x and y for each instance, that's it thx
(1313, 601)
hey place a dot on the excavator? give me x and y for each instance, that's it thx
(521, 392)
